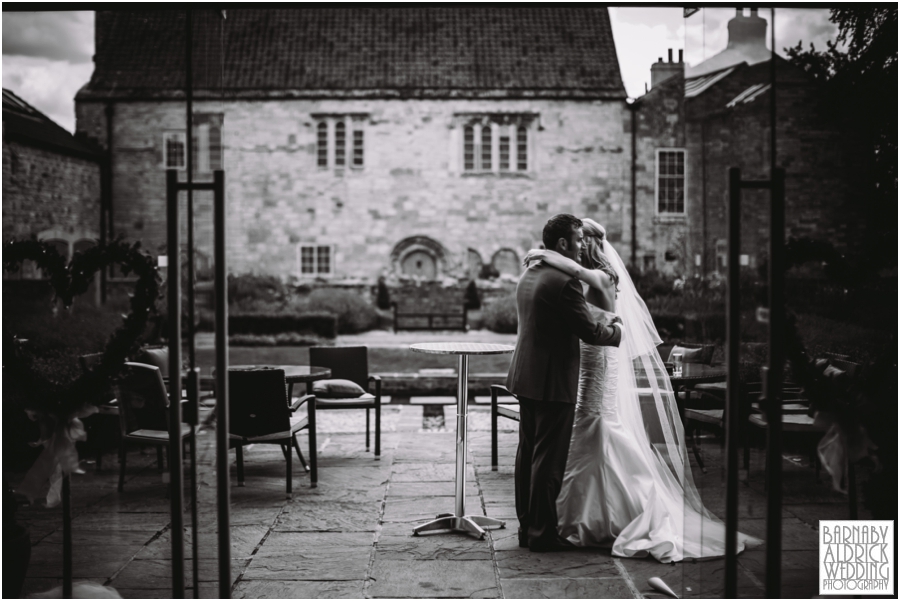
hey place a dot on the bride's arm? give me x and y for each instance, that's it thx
(592, 277)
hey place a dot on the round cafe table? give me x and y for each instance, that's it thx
(459, 521)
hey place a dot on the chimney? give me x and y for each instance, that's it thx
(661, 71)
(747, 31)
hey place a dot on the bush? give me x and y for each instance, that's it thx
(320, 324)
(283, 339)
(249, 292)
(500, 315)
(353, 313)
(383, 297)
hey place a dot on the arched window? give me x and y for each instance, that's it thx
(506, 261)
(473, 263)
(419, 256)
(322, 143)
(340, 143)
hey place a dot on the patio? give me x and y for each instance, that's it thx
(351, 536)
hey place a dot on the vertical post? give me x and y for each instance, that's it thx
(222, 481)
(67, 537)
(176, 483)
(773, 388)
(461, 429)
(634, 109)
(733, 324)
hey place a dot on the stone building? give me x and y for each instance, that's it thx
(428, 142)
(697, 122)
(51, 181)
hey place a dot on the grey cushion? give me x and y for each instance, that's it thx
(337, 389)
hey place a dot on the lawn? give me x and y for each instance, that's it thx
(381, 360)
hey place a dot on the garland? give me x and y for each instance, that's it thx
(61, 400)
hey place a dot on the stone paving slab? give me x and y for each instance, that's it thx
(311, 556)
(244, 540)
(565, 564)
(394, 578)
(565, 588)
(333, 517)
(298, 589)
(458, 547)
(420, 509)
(428, 472)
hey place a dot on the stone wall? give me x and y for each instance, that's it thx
(44, 191)
(412, 183)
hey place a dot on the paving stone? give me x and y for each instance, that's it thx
(157, 573)
(449, 546)
(565, 588)
(422, 489)
(429, 579)
(299, 589)
(39, 585)
(244, 539)
(564, 564)
(94, 538)
(88, 561)
(145, 522)
(416, 509)
(335, 517)
(428, 472)
(312, 556)
(795, 535)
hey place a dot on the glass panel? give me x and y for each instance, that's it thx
(323, 259)
(357, 148)
(322, 143)
(307, 259)
(522, 144)
(340, 143)
(468, 148)
(174, 151)
(486, 130)
(504, 148)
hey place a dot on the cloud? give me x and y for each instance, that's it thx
(642, 36)
(48, 85)
(62, 35)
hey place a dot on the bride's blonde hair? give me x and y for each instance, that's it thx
(593, 256)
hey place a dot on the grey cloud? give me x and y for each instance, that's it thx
(60, 35)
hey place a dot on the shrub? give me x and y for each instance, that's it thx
(283, 339)
(250, 292)
(383, 297)
(353, 313)
(320, 324)
(472, 298)
(500, 315)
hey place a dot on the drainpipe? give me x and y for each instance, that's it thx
(633, 107)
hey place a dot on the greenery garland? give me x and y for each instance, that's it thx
(64, 399)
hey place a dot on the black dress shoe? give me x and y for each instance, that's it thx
(560, 544)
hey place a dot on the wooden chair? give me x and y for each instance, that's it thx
(258, 413)
(497, 411)
(349, 366)
(143, 413)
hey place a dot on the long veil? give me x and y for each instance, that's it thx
(649, 413)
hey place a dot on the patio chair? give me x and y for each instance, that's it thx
(143, 413)
(498, 390)
(100, 425)
(258, 413)
(350, 386)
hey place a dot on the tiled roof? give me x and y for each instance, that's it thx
(750, 94)
(697, 85)
(518, 50)
(24, 123)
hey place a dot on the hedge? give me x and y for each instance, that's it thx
(319, 323)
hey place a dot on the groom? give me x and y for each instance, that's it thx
(543, 374)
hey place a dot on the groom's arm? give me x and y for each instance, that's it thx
(575, 313)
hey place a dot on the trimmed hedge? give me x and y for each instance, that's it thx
(318, 323)
(501, 316)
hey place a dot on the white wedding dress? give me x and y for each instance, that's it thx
(628, 482)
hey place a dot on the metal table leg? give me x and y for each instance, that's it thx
(459, 521)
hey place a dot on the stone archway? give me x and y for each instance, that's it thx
(506, 262)
(419, 256)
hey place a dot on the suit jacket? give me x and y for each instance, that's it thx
(553, 315)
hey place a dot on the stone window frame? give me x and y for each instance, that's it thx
(658, 176)
(315, 247)
(349, 127)
(207, 144)
(505, 135)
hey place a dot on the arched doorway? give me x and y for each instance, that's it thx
(420, 257)
(506, 262)
(419, 264)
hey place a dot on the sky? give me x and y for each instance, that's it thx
(47, 55)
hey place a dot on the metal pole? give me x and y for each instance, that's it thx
(733, 324)
(175, 470)
(461, 429)
(193, 398)
(67, 537)
(634, 109)
(773, 388)
(222, 479)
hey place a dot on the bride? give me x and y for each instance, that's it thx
(628, 482)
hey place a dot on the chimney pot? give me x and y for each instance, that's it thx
(681, 55)
(670, 55)
(753, 12)
(659, 60)
(739, 12)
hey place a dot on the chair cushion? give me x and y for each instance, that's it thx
(155, 355)
(366, 400)
(337, 389)
(693, 355)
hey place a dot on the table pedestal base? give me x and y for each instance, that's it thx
(470, 524)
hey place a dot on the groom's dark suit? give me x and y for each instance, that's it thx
(553, 315)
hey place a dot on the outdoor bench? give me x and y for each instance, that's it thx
(498, 411)
(419, 315)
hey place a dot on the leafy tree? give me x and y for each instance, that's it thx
(858, 74)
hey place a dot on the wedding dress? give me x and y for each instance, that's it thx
(628, 481)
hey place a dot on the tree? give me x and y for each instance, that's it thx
(858, 74)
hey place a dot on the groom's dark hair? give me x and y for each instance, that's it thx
(559, 226)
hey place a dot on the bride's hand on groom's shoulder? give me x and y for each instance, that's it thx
(535, 254)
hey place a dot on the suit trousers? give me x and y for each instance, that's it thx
(545, 430)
